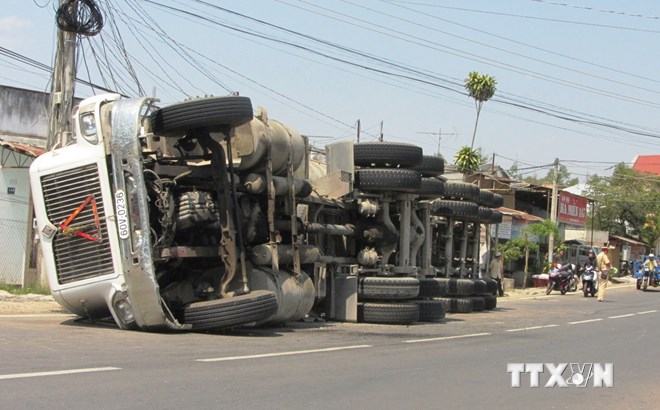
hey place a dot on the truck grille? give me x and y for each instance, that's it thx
(77, 258)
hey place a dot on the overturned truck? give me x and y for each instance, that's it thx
(203, 215)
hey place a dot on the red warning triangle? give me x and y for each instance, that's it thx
(93, 236)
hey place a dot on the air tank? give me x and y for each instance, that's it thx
(295, 293)
(251, 140)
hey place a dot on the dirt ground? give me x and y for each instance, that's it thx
(27, 304)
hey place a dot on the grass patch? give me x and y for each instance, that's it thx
(17, 290)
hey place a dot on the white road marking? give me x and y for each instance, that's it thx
(56, 373)
(579, 322)
(434, 339)
(279, 354)
(620, 316)
(530, 328)
(646, 312)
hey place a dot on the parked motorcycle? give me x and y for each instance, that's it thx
(589, 281)
(574, 278)
(560, 279)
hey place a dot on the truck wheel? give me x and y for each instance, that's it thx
(388, 179)
(485, 214)
(478, 303)
(485, 198)
(255, 306)
(459, 209)
(431, 166)
(388, 313)
(430, 310)
(496, 217)
(456, 305)
(432, 287)
(461, 191)
(431, 188)
(491, 286)
(386, 154)
(211, 113)
(373, 288)
(491, 302)
(456, 287)
(498, 201)
(480, 287)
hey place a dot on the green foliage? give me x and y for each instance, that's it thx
(17, 290)
(468, 160)
(481, 87)
(510, 250)
(627, 203)
(543, 229)
(564, 178)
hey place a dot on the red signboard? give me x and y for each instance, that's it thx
(572, 209)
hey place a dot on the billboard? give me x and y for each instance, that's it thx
(572, 209)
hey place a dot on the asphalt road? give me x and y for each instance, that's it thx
(57, 363)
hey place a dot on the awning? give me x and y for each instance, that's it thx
(524, 216)
(25, 149)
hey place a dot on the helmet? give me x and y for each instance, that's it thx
(651, 256)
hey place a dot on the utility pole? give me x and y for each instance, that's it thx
(380, 138)
(358, 131)
(553, 209)
(438, 134)
(62, 88)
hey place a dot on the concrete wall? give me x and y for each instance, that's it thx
(23, 115)
(14, 188)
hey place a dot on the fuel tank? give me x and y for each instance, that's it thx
(295, 293)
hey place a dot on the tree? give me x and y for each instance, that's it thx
(627, 203)
(468, 160)
(481, 87)
(563, 179)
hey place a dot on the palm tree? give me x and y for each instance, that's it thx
(481, 87)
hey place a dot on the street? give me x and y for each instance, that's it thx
(53, 361)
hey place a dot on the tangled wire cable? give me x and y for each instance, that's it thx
(82, 17)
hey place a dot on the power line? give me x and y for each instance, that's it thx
(549, 19)
(587, 8)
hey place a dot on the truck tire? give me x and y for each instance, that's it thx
(430, 310)
(374, 288)
(491, 286)
(388, 179)
(491, 302)
(387, 154)
(252, 307)
(431, 166)
(496, 217)
(431, 188)
(480, 287)
(455, 286)
(456, 305)
(498, 201)
(211, 114)
(478, 303)
(388, 313)
(432, 287)
(485, 198)
(461, 191)
(485, 214)
(458, 209)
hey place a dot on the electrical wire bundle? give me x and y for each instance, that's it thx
(82, 17)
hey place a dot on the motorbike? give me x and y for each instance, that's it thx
(574, 278)
(647, 278)
(589, 281)
(560, 279)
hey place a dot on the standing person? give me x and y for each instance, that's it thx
(497, 271)
(603, 265)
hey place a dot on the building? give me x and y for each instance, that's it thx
(647, 164)
(23, 132)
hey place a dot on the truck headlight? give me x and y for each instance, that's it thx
(88, 128)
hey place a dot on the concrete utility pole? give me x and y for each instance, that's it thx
(358, 131)
(553, 209)
(62, 88)
(438, 134)
(380, 138)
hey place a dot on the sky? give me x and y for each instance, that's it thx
(337, 61)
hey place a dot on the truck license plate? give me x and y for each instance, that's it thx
(122, 214)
